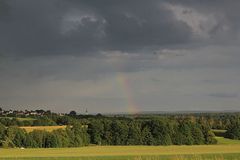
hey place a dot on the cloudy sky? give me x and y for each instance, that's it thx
(120, 56)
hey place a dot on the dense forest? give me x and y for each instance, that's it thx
(82, 130)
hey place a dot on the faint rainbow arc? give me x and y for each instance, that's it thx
(125, 84)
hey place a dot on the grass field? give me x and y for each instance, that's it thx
(47, 128)
(159, 157)
(21, 119)
(222, 140)
(226, 149)
(26, 119)
(219, 130)
(215, 152)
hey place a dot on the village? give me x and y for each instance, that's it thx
(13, 113)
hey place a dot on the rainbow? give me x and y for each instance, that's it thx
(124, 85)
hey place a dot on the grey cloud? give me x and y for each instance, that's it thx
(224, 95)
(80, 27)
(179, 54)
(31, 27)
(225, 12)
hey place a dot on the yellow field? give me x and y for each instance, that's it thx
(47, 128)
(94, 151)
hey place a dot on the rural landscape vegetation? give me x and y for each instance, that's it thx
(119, 80)
(140, 136)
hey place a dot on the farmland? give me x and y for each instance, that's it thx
(46, 128)
(122, 138)
(225, 149)
(222, 140)
(127, 152)
(20, 119)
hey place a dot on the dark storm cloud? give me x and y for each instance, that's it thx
(76, 27)
(226, 12)
(33, 27)
(135, 24)
(180, 54)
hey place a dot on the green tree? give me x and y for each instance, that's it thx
(208, 134)
(30, 142)
(51, 141)
(20, 138)
(120, 132)
(107, 134)
(184, 134)
(147, 138)
(233, 131)
(62, 137)
(96, 131)
(134, 134)
(2, 133)
(44, 121)
(160, 131)
(72, 113)
(16, 136)
(78, 135)
(198, 137)
(39, 137)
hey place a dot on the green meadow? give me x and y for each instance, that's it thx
(225, 149)
(20, 119)
(196, 152)
(161, 157)
(222, 140)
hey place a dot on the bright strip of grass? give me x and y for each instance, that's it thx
(46, 128)
(222, 140)
(20, 119)
(233, 156)
(96, 151)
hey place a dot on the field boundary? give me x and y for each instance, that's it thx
(95, 151)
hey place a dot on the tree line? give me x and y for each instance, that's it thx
(168, 129)
(151, 132)
(72, 136)
(102, 130)
(37, 121)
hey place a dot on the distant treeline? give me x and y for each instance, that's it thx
(35, 121)
(185, 129)
(149, 132)
(214, 120)
(74, 136)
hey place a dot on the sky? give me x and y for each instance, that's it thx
(113, 56)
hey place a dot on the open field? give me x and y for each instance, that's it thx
(21, 119)
(222, 140)
(219, 132)
(159, 157)
(128, 152)
(46, 128)
(26, 119)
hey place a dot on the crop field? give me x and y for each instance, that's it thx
(215, 152)
(46, 128)
(21, 119)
